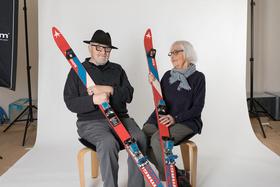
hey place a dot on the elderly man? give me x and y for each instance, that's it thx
(112, 85)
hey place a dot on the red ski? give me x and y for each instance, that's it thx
(115, 123)
(160, 109)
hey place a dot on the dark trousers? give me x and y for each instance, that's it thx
(107, 145)
(178, 131)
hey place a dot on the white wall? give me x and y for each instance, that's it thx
(267, 39)
(229, 153)
(7, 96)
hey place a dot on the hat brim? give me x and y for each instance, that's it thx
(88, 42)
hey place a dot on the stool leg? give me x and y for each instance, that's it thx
(81, 158)
(189, 154)
(193, 163)
(186, 158)
(94, 165)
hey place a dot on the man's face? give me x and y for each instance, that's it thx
(99, 53)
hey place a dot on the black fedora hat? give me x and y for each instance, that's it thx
(101, 37)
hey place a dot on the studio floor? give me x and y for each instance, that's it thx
(11, 148)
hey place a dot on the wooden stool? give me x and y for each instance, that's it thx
(188, 150)
(189, 156)
(94, 161)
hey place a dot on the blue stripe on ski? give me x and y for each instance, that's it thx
(81, 70)
(168, 177)
(152, 68)
(153, 175)
(169, 158)
(162, 102)
(105, 105)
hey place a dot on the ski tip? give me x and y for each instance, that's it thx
(148, 36)
(54, 29)
(56, 33)
(148, 32)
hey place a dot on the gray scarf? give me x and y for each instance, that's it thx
(182, 75)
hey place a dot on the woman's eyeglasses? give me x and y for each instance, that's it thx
(175, 52)
(100, 48)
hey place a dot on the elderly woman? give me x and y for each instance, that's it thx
(183, 89)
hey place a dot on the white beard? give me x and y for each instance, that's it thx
(99, 62)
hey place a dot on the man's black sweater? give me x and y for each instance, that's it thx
(78, 101)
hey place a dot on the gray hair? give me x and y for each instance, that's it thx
(190, 53)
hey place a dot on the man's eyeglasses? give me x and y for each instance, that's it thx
(175, 52)
(100, 48)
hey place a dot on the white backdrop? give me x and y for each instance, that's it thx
(229, 153)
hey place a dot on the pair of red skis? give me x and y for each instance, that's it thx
(115, 123)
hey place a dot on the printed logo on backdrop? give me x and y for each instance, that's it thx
(4, 36)
(8, 42)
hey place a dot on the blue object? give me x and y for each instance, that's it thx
(161, 102)
(3, 116)
(142, 161)
(134, 148)
(169, 156)
(169, 144)
(170, 159)
(105, 105)
(152, 68)
(17, 107)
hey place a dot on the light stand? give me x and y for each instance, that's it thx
(252, 101)
(30, 106)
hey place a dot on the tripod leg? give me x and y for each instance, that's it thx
(259, 120)
(264, 110)
(15, 120)
(32, 116)
(25, 131)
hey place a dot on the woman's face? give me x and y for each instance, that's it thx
(177, 56)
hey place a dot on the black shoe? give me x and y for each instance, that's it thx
(182, 178)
